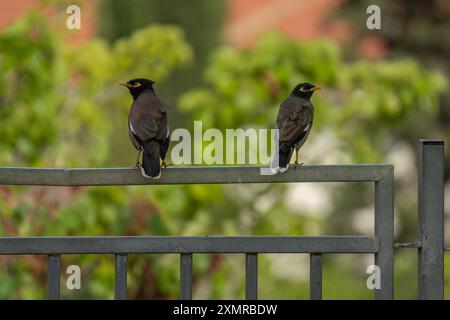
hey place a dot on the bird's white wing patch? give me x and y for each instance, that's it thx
(131, 127)
(304, 130)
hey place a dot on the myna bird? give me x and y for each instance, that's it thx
(294, 122)
(147, 126)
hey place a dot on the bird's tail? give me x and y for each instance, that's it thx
(151, 167)
(285, 154)
(284, 159)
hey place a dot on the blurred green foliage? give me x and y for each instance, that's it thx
(60, 106)
(201, 21)
(245, 87)
(410, 28)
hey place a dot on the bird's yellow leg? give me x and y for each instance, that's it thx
(137, 160)
(296, 160)
(164, 164)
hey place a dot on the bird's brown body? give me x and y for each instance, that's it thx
(147, 119)
(295, 120)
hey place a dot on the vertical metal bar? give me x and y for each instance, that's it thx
(431, 219)
(120, 284)
(384, 231)
(251, 276)
(315, 276)
(186, 276)
(53, 276)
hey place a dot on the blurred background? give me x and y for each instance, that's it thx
(228, 63)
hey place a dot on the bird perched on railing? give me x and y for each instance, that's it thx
(294, 122)
(147, 126)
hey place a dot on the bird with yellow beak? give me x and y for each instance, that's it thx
(148, 127)
(294, 122)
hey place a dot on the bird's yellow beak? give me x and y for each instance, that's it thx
(316, 88)
(125, 84)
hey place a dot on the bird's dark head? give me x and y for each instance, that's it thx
(304, 90)
(138, 85)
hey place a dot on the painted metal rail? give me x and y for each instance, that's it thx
(191, 175)
(382, 245)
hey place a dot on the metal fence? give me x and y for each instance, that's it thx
(430, 243)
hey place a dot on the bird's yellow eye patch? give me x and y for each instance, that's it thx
(136, 85)
(303, 89)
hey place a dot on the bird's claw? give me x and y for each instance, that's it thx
(296, 164)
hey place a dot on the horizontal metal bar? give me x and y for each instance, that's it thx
(407, 245)
(177, 244)
(189, 175)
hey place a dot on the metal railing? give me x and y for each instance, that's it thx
(381, 244)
